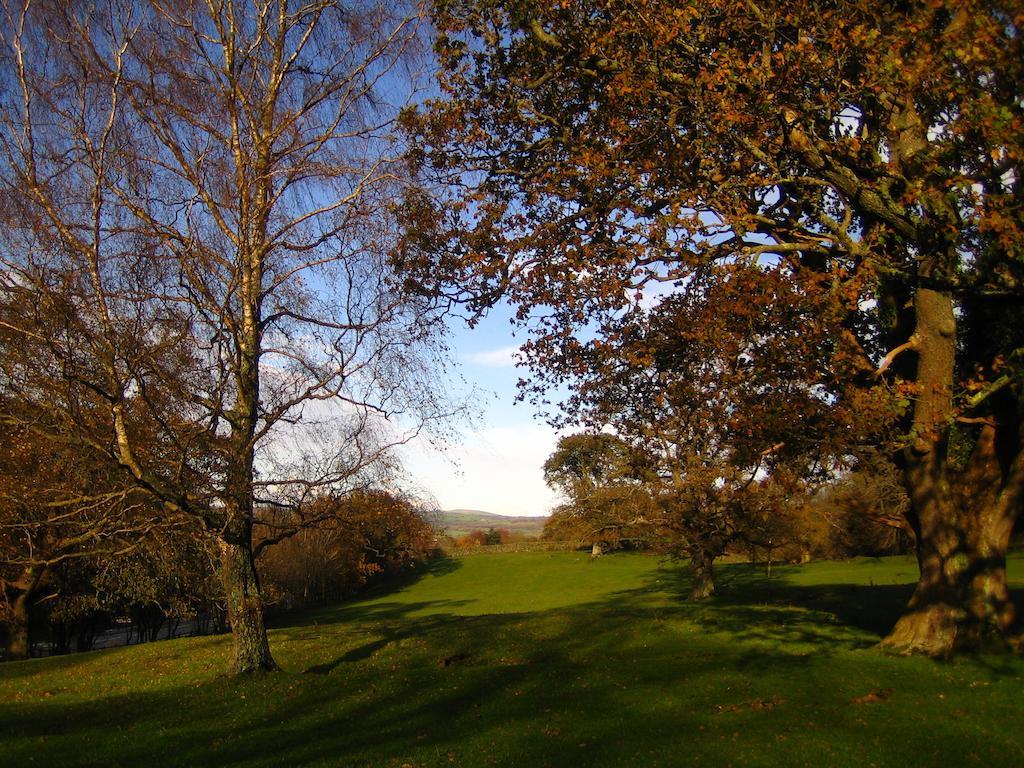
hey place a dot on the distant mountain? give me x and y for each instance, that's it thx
(459, 522)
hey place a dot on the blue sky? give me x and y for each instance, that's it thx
(495, 464)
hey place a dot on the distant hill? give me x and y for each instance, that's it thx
(459, 522)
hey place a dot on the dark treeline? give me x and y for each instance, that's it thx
(167, 583)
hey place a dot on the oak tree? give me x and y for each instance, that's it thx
(606, 486)
(861, 158)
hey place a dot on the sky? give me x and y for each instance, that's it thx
(495, 464)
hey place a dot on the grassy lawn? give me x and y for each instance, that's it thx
(538, 659)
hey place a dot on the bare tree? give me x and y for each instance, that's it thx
(204, 191)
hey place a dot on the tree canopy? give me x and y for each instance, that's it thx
(819, 204)
(606, 485)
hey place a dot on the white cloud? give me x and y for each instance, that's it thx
(498, 470)
(504, 357)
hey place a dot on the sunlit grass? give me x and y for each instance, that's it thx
(542, 659)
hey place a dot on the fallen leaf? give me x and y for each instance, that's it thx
(882, 694)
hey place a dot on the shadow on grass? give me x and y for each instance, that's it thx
(394, 623)
(378, 702)
(529, 690)
(871, 608)
(316, 615)
(629, 679)
(591, 686)
(748, 607)
(354, 608)
(752, 606)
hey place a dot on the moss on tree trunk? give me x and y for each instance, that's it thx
(962, 524)
(961, 601)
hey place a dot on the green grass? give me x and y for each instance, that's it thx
(553, 660)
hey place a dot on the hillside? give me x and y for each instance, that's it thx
(459, 522)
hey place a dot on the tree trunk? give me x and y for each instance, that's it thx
(250, 647)
(703, 575)
(17, 646)
(19, 595)
(961, 601)
(963, 519)
(597, 549)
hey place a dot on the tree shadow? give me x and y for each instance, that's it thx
(871, 608)
(393, 622)
(353, 608)
(641, 674)
(527, 689)
(754, 606)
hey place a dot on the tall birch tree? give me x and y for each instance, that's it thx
(204, 190)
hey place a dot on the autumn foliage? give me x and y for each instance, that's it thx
(359, 538)
(757, 235)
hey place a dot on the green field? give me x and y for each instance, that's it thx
(542, 659)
